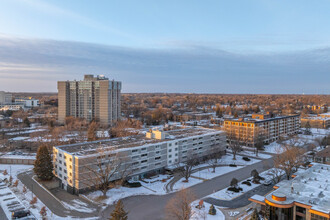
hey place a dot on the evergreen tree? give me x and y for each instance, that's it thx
(212, 210)
(26, 122)
(43, 166)
(119, 213)
(308, 128)
(255, 215)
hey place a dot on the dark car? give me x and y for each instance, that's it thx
(20, 214)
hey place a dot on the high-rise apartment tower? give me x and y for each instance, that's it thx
(94, 98)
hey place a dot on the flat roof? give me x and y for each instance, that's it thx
(253, 120)
(310, 187)
(87, 148)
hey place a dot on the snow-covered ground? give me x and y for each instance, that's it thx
(202, 214)
(224, 194)
(250, 153)
(207, 174)
(156, 186)
(17, 192)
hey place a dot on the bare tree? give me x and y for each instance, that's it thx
(186, 167)
(290, 159)
(179, 208)
(92, 129)
(110, 170)
(259, 138)
(276, 173)
(214, 157)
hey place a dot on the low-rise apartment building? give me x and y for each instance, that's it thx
(306, 196)
(153, 152)
(247, 130)
(317, 121)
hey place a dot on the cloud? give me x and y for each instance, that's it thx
(191, 69)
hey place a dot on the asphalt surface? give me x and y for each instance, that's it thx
(241, 200)
(143, 207)
(53, 204)
(153, 207)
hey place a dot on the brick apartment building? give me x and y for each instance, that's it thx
(246, 130)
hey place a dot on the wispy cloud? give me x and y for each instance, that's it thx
(51, 9)
(192, 69)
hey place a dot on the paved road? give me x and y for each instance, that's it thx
(152, 207)
(241, 200)
(2, 214)
(54, 205)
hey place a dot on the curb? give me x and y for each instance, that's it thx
(33, 177)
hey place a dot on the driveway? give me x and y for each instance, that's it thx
(153, 206)
(58, 208)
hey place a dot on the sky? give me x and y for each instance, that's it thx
(190, 46)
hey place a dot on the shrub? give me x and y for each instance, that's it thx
(212, 210)
(33, 201)
(15, 184)
(24, 189)
(232, 165)
(234, 189)
(233, 182)
(246, 183)
(43, 211)
(5, 172)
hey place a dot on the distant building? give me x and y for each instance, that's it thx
(144, 154)
(317, 121)
(11, 107)
(28, 103)
(323, 156)
(306, 196)
(94, 98)
(5, 97)
(246, 130)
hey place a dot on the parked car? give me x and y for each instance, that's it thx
(20, 214)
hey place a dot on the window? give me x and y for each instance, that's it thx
(143, 149)
(60, 175)
(157, 164)
(170, 145)
(170, 150)
(60, 155)
(70, 174)
(144, 155)
(157, 158)
(70, 159)
(176, 154)
(157, 152)
(144, 161)
(145, 167)
(64, 157)
(170, 156)
(65, 171)
(135, 163)
(133, 151)
(60, 168)
(64, 164)
(70, 167)
(60, 161)
(65, 178)
(176, 149)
